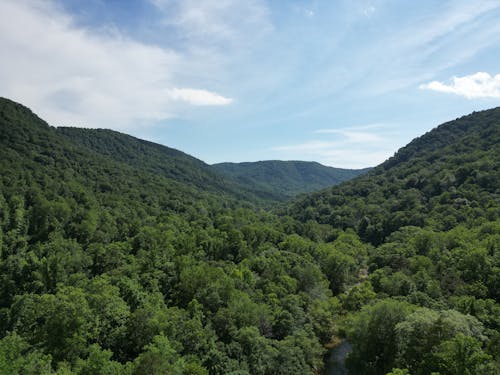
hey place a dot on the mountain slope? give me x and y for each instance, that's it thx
(165, 161)
(448, 176)
(41, 168)
(432, 216)
(287, 178)
(106, 266)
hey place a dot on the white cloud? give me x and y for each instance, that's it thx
(355, 148)
(71, 76)
(435, 39)
(474, 86)
(216, 22)
(352, 135)
(199, 97)
(336, 153)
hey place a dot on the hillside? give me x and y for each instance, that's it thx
(153, 157)
(165, 161)
(266, 181)
(432, 215)
(449, 176)
(67, 183)
(110, 265)
(288, 178)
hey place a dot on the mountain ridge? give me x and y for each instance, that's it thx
(288, 177)
(184, 168)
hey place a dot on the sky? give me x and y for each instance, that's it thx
(343, 83)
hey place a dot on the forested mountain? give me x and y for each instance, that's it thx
(149, 156)
(432, 214)
(448, 176)
(164, 161)
(288, 178)
(109, 268)
(111, 265)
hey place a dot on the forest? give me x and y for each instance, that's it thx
(119, 256)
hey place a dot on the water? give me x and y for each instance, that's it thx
(335, 364)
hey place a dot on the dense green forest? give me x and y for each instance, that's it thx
(287, 178)
(260, 182)
(118, 256)
(170, 163)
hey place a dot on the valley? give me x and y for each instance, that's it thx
(122, 256)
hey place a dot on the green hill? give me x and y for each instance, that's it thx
(265, 181)
(150, 156)
(288, 178)
(164, 161)
(432, 215)
(42, 168)
(449, 176)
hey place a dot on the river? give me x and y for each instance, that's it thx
(335, 364)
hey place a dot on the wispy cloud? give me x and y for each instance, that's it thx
(352, 136)
(458, 14)
(353, 147)
(474, 86)
(336, 153)
(452, 33)
(216, 22)
(199, 97)
(73, 76)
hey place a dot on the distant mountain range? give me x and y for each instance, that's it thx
(264, 180)
(287, 178)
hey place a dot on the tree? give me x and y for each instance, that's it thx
(63, 322)
(372, 333)
(17, 357)
(462, 355)
(422, 331)
(98, 362)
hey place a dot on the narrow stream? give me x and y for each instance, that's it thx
(335, 364)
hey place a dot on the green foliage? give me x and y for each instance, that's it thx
(447, 177)
(98, 362)
(121, 256)
(18, 357)
(463, 355)
(373, 334)
(422, 331)
(398, 371)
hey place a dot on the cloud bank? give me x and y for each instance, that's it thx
(74, 77)
(474, 86)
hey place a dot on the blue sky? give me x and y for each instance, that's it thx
(344, 83)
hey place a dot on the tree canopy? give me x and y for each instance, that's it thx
(119, 256)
